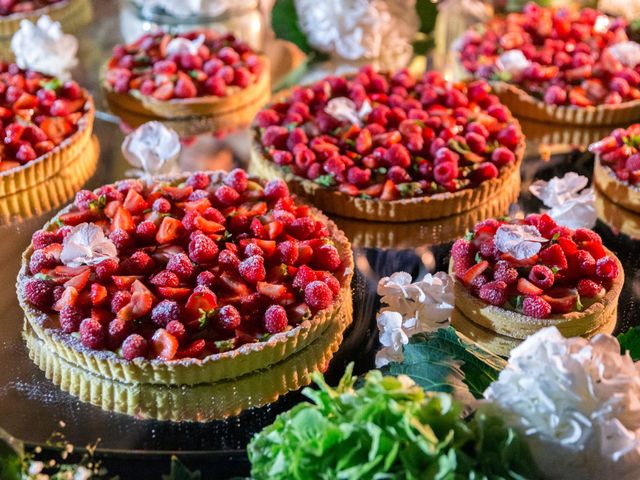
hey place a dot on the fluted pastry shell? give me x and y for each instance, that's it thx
(618, 218)
(616, 190)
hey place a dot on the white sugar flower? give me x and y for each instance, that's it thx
(519, 241)
(627, 53)
(361, 29)
(577, 403)
(180, 45)
(45, 48)
(87, 244)
(558, 190)
(344, 109)
(514, 62)
(153, 148)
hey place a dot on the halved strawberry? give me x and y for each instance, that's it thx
(170, 229)
(139, 306)
(123, 221)
(79, 281)
(595, 248)
(208, 226)
(177, 193)
(173, 293)
(163, 92)
(271, 290)
(562, 300)
(25, 101)
(101, 316)
(235, 284)
(389, 191)
(568, 246)
(196, 205)
(69, 297)
(111, 208)
(138, 286)
(193, 350)
(474, 271)
(56, 128)
(135, 203)
(8, 165)
(202, 299)
(527, 288)
(163, 345)
(124, 282)
(63, 273)
(274, 229)
(305, 254)
(76, 218)
(98, 294)
(526, 262)
(252, 209)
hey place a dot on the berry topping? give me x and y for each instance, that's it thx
(536, 307)
(619, 153)
(134, 346)
(318, 295)
(275, 319)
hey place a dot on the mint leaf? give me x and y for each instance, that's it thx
(630, 342)
(468, 236)
(284, 20)
(443, 361)
(410, 189)
(53, 84)
(180, 472)
(326, 180)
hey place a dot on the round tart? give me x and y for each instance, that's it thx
(390, 148)
(516, 277)
(70, 13)
(46, 125)
(617, 166)
(201, 76)
(558, 65)
(185, 280)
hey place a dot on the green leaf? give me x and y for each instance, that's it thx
(284, 20)
(11, 457)
(53, 84)
(427, 12)
(180, 472)
(326, 180)
(445, 362)
(630, 342)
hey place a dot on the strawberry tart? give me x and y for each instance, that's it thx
(70, 13)
(389, 147)
(185, 280)
(617, 166)
(514, 277)
(203, 77)
(46, 128)
(558, 65)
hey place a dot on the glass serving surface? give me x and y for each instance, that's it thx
(33, 408)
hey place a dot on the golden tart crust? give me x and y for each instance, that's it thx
(220, 366)
(610, 185)
(517, 325)
(404, 210)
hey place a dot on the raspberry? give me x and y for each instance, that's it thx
(119, 300)
(92, 334)
(288, 252)
(252, 249)
(239, 224)
(607, 267)
(43, 238)
(494, 293)
(176, 328)
(536, 307)
(554, 256)
(633, 163)
(202, 250)
(546, 225)
(282, 157)
(541, 276)
(161, 205)
(326, 257)
(304, 276)
(58, 291)
(463, 253)
(275, 319)
(583, 263)
(509, 136)
(121, 239)
(117, 331)
(275, 136)
(236, 179)
(146, 232)
(478, 282)
(106, 269)
(226, 195)
(198, 180)
(484, 171)
(301, 228)
(139, 263)
(134, 346)
(502, 156)
(181, 266)
(584, 235)
(84, 198)
(165, 312)
(70, 318)
(267, 117)
(41, 260)
(331, 281)
(445, 172)
(477, 143)
(555, 95)
(505, 273)
(228, 318)
(488, 248)
(588, 288)
(214, 215)
(252, 269)
(189, 220)
(228, 260)
(398, 175)
(318, 295)
(276, 189)
(206, 278)
(358, 176)
(398, 155)
(197, 195)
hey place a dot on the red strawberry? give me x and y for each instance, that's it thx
(202, 299)
(474, 271)
(171, 229)
(98, 294)
(527, 288)
(163, 345)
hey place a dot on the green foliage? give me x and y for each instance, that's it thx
(389, 428)
(284, 20)
(630, 342)
(11, 457)
(443, 362)
(180, 472)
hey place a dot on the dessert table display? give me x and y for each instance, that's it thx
(368, 273)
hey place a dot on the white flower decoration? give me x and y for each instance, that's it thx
(577, 402)
(519, 241)
(183, 45)
(190, 8)
(569, 205)
(87, 244)
(45, 48)
(513, 62)
(344, 109)
(627, 53)
(361, 29)
(153, 148)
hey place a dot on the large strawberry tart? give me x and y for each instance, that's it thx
(515, 277)
(558, 64)
(389, 147)
(199, 76)
(185, 280)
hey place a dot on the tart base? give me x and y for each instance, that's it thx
(221, 366)
(405, 210)
(519, 326)
(195, 115)
(524, 105)
(191, 403)
(617, 218)
(617, 191)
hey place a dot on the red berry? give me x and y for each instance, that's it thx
(176, 328)
(134, 346)
(275, 319)
(198, 180)
(202, 250)
(226, 195)
(463, 253)
(607, 267)
(106, 269)
(215, 86)
(237, 179)
(252, 269)
(117, 331)
(398, 155)
(484, 171)
(139, 263)
(39, 293)
(288, 252)
(301, 228)
(554, 256)
(536, 307)
(304, 276)
(206, 278)
(267, 117)
(583, 263)
(181, 266)
(92, 334)
(121, 239)
(146, 232)
(228, 260)
(584, 235)
(331, 281)
(120, 300)
(276, 189)
(502, 156)
(488, 248)
(70, 318)
(318, 295)
(326, 257)
(505, 273)
(228, 318)
(494, 293)
(43, 259)
(541, 276)
(161, 205)
(43, 238)
(165, 312)
(588, 288)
